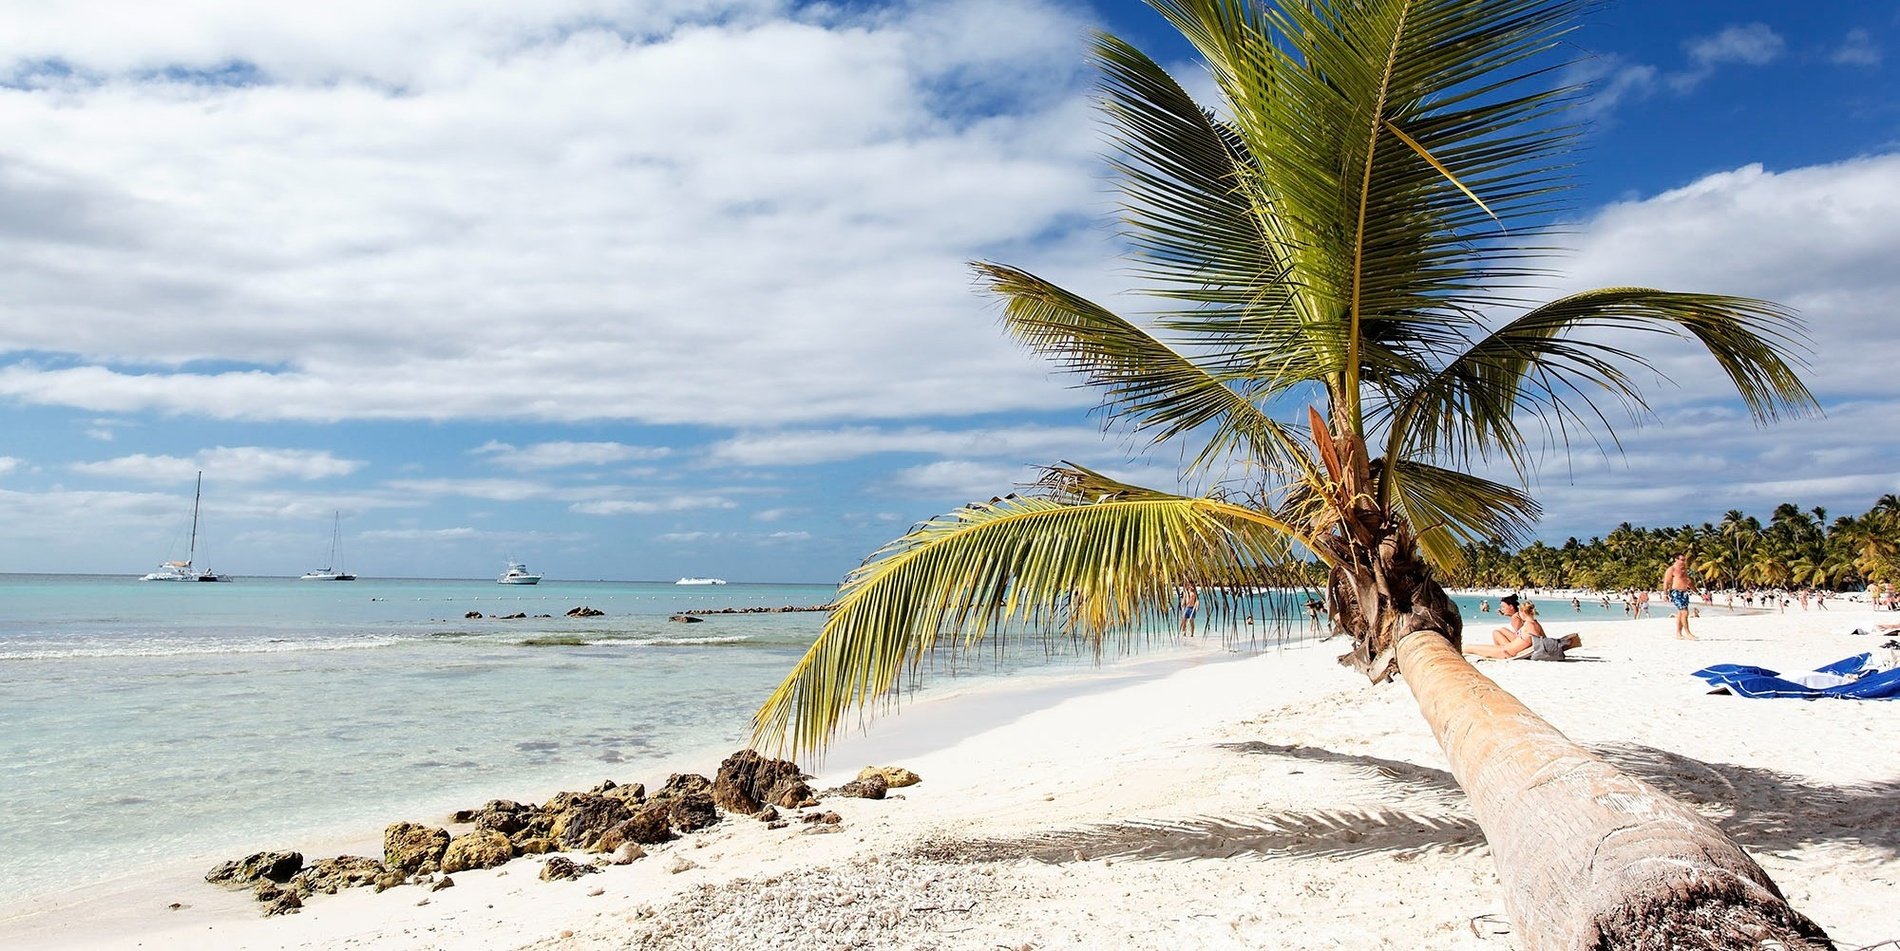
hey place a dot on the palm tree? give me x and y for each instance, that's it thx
(1342, 250)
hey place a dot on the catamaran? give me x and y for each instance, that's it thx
(331, 573)
(184, 570)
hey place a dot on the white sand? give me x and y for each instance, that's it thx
(1270, 802)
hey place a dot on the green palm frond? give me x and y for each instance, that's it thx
(1144, 381)
(1092, 569)
(1447, 509)
(1536, 367)
(1389, 144)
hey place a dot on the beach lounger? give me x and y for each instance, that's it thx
(1847, 679)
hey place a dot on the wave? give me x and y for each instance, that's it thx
(151, 649)
(585, 640)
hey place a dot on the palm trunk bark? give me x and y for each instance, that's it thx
(1590, 857)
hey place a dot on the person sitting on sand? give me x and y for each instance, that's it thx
(1508, 642)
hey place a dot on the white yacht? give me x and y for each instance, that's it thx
(701, 581)
(183, 570)
(518, 573)
(331, 573)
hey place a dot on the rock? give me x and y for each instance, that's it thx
(821, 830)
(777, 824)
(585, 817)
(389, 880)
(329, 875)
(680, 864)
(895, 777)
(584, 612)
(517, 616)
(686, 619)
(631, 795)
(559, 869)
(650, 824)
(445, 882)
(766, 814)
(791, 794)
(412, 849)
(276, 900)
(746, 780)
(680, 783)
(691, 812)
(248, 871)
(479, 849)
(629, 853)
(473, 615)
(537, 845)
(870, 788)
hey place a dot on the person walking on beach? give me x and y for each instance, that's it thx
(1676, 583)
(1190, 599)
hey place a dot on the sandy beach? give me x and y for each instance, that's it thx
(1264, 801)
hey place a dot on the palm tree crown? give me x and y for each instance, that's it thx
(1343, 249)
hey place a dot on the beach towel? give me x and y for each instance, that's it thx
(1850, 678)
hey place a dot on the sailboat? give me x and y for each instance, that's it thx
(331, 573)
(184, 570)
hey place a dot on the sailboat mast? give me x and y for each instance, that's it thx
(196, 494)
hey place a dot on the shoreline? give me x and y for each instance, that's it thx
(1226, 780)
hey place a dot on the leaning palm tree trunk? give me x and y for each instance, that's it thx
(1590, 857)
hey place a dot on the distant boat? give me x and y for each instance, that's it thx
(184, 570)
(518, 573)
(330, 573)
(701, 581)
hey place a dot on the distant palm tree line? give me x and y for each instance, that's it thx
(1796, 548)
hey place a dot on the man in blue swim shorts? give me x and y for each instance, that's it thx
(1676, 583)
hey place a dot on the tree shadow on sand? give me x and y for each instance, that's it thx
(1760, 808)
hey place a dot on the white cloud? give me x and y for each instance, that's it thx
(728, 213)
(422, 534)
(1750, 44)
(1613, 81)
(1038, 444)
(962, 480)
(1819, 239)
(493, 490)
(676, 503)
(560, 455)
(1857, 49)
(237, 464)
(775, 514)
(9, 464)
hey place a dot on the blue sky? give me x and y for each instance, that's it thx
(636, 290)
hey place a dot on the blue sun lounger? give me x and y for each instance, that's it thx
(1843, 679)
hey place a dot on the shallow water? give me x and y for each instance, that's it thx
(147, 724)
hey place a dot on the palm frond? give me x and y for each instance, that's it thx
(1537, 367)
(1093, 570)
(1448, 509)
(1144, 382)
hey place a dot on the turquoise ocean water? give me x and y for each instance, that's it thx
(150, 724)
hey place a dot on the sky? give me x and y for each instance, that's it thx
(637, 289)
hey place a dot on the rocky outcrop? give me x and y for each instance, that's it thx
(559, 869)
(331, 875)
(895, 777)
(411, 849)
(584, 611)
(872, 787)
(481, 848)
(473, 615)
(275, 867)
(583, 817)
(610, 818)
(686, 619)
(747, 780)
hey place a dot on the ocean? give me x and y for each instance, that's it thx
(154, 725)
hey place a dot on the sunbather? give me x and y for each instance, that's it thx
(1511, 641)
